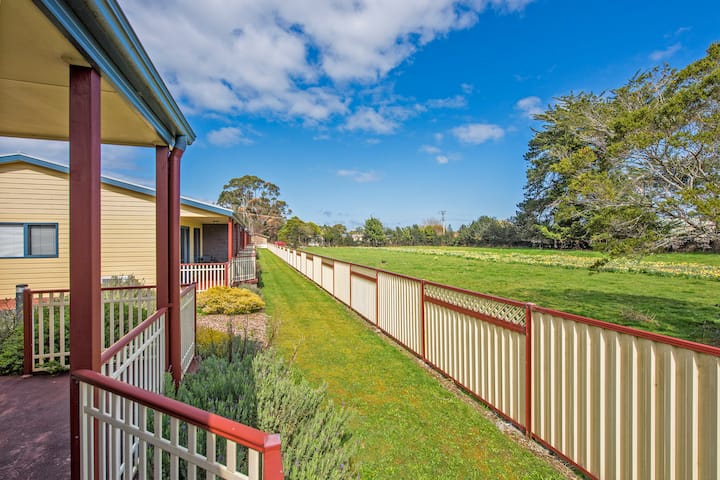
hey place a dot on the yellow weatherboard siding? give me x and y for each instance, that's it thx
(31, 193)
(34, 194)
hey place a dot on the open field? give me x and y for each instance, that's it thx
(678, 296)
(408, 425)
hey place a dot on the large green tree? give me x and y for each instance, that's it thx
(256, 203)
(296, 232)
(636, 168)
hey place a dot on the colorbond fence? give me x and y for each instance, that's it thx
(614, 401)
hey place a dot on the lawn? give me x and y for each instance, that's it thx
(676, 304)
(408, 425)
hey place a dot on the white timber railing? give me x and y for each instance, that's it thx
(204, 275)
(138, 358)
(242, 267)
(140, 434)
(187, 326)
(614, 401)
(46, 316)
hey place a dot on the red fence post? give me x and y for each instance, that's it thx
(27, 332)
(272, 459)
(528, 369)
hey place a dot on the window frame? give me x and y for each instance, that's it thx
(26, 238)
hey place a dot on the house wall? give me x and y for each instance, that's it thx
(33, 194)
(29, 193)
(215, 242)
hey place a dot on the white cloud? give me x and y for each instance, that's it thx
(368, 120)
(439, 137)
(53, 150)
(442, 159)
(478, 132)
(529, 106)
(666, 53)
(227, 136)
(358, 176)
(458, 101)
(429, 149)
(291, 59)
(467, 88)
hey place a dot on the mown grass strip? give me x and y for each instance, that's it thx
(407, 424)
(677, 306)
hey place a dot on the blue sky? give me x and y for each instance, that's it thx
(392, 109)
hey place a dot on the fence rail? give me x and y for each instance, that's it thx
(614, 401)
(46, 319)
(204, 275)
(138, 358)
(187, 326)
(140, 434)
(242, 267)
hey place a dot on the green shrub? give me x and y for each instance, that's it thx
(315, 440)
(260, 390)
(229, 301)
(11, 343)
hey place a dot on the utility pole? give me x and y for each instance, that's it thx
(442, 216)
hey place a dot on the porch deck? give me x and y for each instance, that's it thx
(35, 427)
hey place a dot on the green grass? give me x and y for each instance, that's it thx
(407, 424)
(678, 306)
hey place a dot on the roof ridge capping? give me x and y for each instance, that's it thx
(100, 30)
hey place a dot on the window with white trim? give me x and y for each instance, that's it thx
(22, 240)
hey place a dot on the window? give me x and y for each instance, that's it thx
(184, 244)
(196, 244)
(18, 240)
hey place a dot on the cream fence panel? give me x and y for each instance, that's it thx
(624, 406)
(317, 270)
(341, 281)
(471, 339)
(400, 309)
(363, 292)
(614, 401)
(328, 275)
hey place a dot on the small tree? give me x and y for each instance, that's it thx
(373, 232)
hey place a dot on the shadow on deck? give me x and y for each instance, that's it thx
(35, 427)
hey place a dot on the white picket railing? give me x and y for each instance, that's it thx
(138, 358)
(242, 267)
(204, 275)
(140, 434)
(615, 402)
(187, 326)
(47, 322)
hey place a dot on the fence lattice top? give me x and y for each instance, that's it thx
(493, 308)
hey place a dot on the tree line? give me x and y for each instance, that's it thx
(636, 168)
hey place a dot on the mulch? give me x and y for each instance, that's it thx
(250, 326)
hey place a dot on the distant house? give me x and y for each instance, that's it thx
(259, 240)
(34, 226)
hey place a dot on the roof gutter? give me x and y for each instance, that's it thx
(100, 30)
